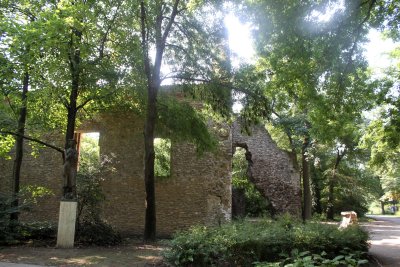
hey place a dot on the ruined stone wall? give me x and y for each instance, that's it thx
(198, 190)
(44, 169)
(270, 169)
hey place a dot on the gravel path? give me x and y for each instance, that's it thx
(385, 240)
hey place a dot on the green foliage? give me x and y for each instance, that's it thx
(180, 121)
(7, 234)
(32, 193)
(37, 231)
(13, 232)
(244, 243)
(162, 163)
(355, 185)
(6, 144)
(306, 259)
(256, 204)
(91, 228)
(97, 233)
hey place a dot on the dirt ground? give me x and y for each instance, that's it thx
(385, 247)
(131, 253)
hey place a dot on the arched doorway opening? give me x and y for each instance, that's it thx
(247, 201)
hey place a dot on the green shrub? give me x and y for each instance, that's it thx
(305, 259)
(37, 230)
(12, 232)
(91, 228)
(97, 233)
(243, 243)
(7, 234)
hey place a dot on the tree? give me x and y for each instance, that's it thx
(42, 41)
(17, 58)
(174, 28)
(314, 72)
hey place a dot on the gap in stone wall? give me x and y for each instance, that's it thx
(247, 199)
(88, 148)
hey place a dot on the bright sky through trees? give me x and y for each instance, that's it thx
(240, 42)
(377, 51)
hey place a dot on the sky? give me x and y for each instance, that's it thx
(377, 51)
(240, 42)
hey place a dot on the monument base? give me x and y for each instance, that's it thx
(66, 224)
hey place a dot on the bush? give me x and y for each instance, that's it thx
(302, 259)
(91, 228)
(97, 233)
(12, 232)
(7, 234)
(37, 230)
(244, 243)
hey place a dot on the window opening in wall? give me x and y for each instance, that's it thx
(89, 150)
(246, 199)
(162, 164)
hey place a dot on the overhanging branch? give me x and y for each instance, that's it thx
(34, 140)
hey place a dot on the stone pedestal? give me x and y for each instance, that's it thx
(66, 224)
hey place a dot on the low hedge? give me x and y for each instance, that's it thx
(243, 243)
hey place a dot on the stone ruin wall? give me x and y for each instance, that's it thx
(44, 169)
(270, 169)
(198, 191)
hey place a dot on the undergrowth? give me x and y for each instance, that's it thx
(263, 242)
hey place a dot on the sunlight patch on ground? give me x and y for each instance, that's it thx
(88, 260)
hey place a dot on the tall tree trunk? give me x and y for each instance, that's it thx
(317, 190)
(153, 84)
(71, 117)
(150, 219)
(330, 212)
(307, 201)
(383, 207)
(19, 146)
(74, 65)
(70, 155)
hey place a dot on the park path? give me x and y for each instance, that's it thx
(8, 264)
(385, 240)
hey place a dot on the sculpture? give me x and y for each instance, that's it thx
(70, 170)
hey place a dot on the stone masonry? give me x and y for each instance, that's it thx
(198, 190)
(270, 169)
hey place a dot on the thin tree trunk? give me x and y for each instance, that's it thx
(383, 207)
(150, 220)
(317, 190)
(19, 147)
(330, 212)
(307, 201)
(72, 107)
(153, 84)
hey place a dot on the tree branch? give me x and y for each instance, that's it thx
(356, 39)
(145, 49)
(104, 39)
(34, 140)
(171, 21)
